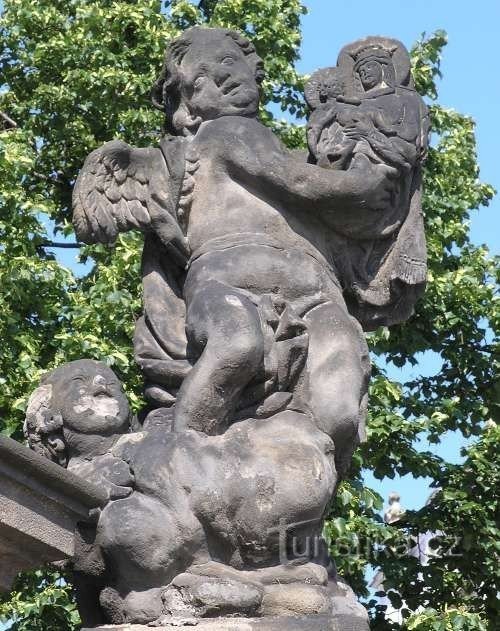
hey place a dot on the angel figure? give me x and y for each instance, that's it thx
(244, 314)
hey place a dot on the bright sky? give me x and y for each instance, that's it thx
(470, 85)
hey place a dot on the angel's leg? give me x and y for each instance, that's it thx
(225, 337)
(338, 368)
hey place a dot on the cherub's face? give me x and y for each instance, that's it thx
(217, 80)
(370, 74)
(94, 403)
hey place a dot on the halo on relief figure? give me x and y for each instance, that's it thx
(378, 48)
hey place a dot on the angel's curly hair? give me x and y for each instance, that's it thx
(166, 93)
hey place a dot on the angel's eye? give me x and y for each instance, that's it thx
(227, 61)
(198, 82)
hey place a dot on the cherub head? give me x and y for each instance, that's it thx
(207, 73)
(78, 407)
(330, 90)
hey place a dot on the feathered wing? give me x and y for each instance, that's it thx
(123, 188)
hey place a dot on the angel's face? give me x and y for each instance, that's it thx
(94, 401)
(217, 80)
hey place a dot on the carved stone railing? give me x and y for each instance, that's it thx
(40, 505)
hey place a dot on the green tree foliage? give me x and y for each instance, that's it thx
(41, 600)
(77, 73)
(450, 619)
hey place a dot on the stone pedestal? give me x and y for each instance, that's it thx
(40, 505)
(309, 623)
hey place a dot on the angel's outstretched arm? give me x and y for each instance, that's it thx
(253, 156)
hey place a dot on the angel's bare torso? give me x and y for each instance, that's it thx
(230, 204)
(232, 217)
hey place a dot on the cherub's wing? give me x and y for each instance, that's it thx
(122, 188)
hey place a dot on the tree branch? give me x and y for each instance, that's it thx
(59, 244)
(7, 122)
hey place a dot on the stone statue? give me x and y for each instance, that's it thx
(260, 271)
(394, 511)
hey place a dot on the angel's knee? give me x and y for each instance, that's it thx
(240, 350)
(226, 325)
(338, 416)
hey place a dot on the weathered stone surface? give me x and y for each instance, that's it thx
(40, 505)
(295, 599)
(306, 623)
